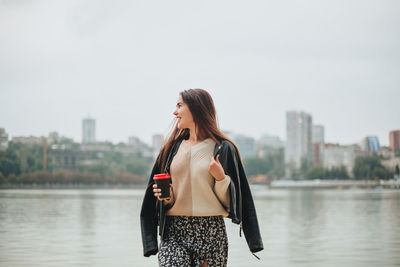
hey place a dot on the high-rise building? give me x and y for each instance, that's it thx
(371, 144)
(88, 130)
(318, 134)
(318, 140)
(298, 138)
(3, 139)
(394, 140)
(317, 155)
(245, 144)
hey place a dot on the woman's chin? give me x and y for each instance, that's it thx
(181, 126)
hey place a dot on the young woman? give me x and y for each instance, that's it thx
(208, 184)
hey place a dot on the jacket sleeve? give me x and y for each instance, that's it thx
(226, 160)
(250, 225)
(245, 204)
(148, 218)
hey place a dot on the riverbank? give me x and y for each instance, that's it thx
(335, 184)
(73, 186)
(278, 184)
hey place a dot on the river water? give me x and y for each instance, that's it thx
(299, 228)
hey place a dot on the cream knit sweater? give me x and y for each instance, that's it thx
(196, 192)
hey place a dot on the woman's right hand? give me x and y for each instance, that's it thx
(157, 192)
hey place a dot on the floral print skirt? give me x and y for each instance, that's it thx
(190, 240)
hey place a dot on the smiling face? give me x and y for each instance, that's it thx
(183, 114)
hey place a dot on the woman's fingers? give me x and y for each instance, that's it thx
(215, 160)
(215, 164)
(215, 168)
(156, 191)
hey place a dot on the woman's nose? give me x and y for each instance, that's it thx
(175, 113)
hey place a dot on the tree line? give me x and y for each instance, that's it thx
(23, 164)
(365, 168)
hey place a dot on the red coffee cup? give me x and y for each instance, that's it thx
(163, 181)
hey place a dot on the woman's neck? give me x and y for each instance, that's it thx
(193, 138)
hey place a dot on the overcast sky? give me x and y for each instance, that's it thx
(125, 62)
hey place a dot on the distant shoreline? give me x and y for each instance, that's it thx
(335, 184)
(73, 186)
(278, 184)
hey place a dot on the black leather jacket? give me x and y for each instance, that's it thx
(242, 210)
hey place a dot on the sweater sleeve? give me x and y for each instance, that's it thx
(222, 192)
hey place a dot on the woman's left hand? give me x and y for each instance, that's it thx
(215, 169)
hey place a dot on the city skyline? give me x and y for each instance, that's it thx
(128, 138)
(125, 64)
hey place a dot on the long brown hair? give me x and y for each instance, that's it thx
(201, 105)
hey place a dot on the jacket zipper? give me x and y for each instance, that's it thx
(216, 153)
